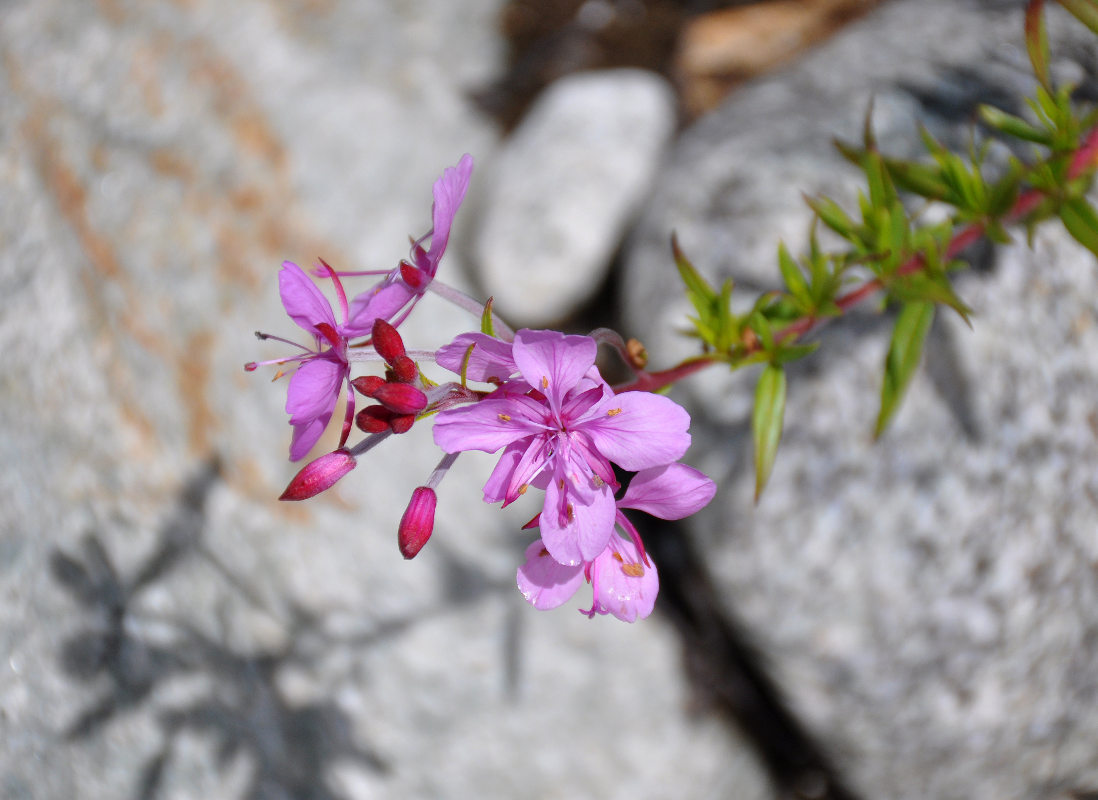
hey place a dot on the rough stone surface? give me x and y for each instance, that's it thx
(928, 601)
(168, 629)
(563, 188)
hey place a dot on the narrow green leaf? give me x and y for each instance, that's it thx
(904, 351)
(695, 283)
(1081, 222)
(486, 325)
(792, 275)
(766, 422)
(1037, 40)
(1014, 126)
(831, 215)
(920, 179)
(1086, 11)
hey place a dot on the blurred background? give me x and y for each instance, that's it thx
(910, 618)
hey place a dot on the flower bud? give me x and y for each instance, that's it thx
(319, 475)
(401, 423)
(367, 384)
(373, 419)
(405, 370)
(417, 523)
(400, 398)
(387, 341)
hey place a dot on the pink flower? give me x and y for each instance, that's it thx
(624, 581)
(319, 475)
(321, 371)
(407, 283)
(560, 426)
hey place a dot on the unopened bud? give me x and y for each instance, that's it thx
(417, 523)
(402, 423)
(400, 398)
(405, 370)
(373, 419)
(387, 341)
(319, 475)
(367, 384)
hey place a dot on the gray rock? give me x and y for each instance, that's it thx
(929, 602)
(564, 187)
(168, 628)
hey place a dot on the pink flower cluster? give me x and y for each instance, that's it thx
(559, 427)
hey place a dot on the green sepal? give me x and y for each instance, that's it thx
(1081, 221)
(904, 352)
(766, 422)
(486, 324)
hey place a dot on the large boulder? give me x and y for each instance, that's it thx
(929, 602)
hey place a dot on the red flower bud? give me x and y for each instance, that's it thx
(373, 419)
(318, 475)
(367, 384)
(387, 341)
(417, 523)
(400, 398)
(402, 423)
(404, 369)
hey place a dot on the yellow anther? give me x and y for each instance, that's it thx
(632, 570)
(504, 417)
(544, 382)
(613, 412)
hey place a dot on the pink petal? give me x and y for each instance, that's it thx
(314, 389)
(487, 425)
(448, 191)
(302, 299)
(672, 491)
(306, 434)
(623, 585)
(545, 583)
(553, 363)
(575, 525)
(637, 430)
(490, 359)
(383, 301)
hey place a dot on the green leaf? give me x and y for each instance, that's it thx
(832, 215)
(695, 283)
(1037, 40)
(1081, 222)
(1014, 126)
(766, 422)
(486, 325)
(920, 179)
(1086, 11)
(792, 275)
(904, 351)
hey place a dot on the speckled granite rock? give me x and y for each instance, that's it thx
(168, 629)
(930, 602)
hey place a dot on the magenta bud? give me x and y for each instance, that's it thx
(418, 522)
(387, 341)
(401, 423)
(367, 384)
(405, 370)
(319, 475)
(400, 398)
(373, 419)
